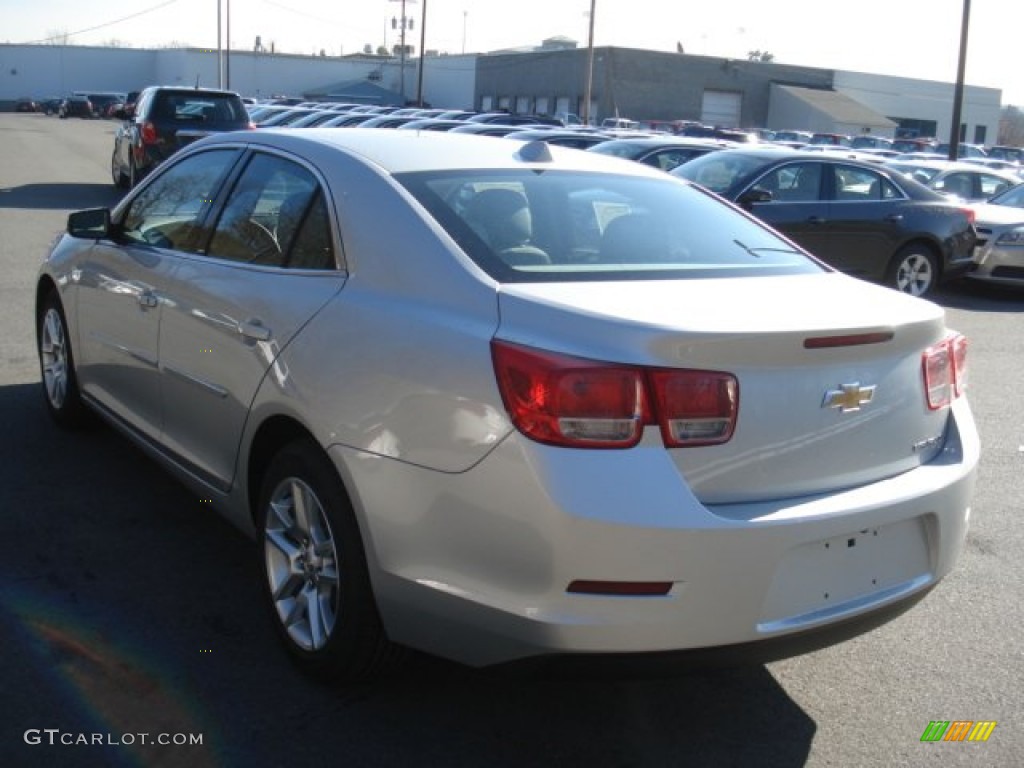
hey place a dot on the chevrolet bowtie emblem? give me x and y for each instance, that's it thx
(849, 397)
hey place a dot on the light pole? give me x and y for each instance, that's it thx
(958, 92)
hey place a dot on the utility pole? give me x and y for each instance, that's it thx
(423, 49)
(958, 93)
(590, 67)
(220, 49)
(406, 23)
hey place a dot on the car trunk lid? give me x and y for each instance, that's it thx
(829, 370)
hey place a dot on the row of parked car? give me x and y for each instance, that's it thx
(908, 221)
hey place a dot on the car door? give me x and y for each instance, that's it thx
(796, 208)
(866, 220)
(268, 266)
(122, 288)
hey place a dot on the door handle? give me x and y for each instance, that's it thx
(148, 299)
(816, 220)
(894, 217)
(255, 330)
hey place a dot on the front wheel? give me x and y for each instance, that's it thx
(914, 270)
(315, 574)
(56, 363)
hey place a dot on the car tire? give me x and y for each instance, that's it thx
(914, 270)
(57, 366)
(315, 576)
(120, 180)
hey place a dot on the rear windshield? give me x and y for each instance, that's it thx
(200, 108)
(523, 226)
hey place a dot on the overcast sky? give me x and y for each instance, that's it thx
(912, 38)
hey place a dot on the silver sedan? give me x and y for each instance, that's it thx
(497, 399)
(999, 254)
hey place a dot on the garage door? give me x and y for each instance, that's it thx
(721, 108)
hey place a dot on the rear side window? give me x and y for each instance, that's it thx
(521, 226)
(275, 215)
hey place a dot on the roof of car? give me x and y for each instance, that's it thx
(410, 151)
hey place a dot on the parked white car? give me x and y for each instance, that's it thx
(496, 399)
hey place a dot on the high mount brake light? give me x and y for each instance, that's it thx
(945, 371)
(563, 400)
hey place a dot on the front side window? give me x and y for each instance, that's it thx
(168, 212)
(521, 226)
(793, 183)
(275, 215)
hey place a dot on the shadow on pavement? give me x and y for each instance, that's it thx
(129, 608)
(60, 196)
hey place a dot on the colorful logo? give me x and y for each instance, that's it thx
(958, 730)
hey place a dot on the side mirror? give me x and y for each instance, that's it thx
(752, 196)
(90, 224)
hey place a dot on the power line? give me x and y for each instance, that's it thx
(101, 26)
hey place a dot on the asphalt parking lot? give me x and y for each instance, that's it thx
(129, 612)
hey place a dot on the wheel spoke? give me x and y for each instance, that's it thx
(284, 544)
(303, 504)
(289, 588)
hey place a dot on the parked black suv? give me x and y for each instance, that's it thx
(75, 106)
(165, 119)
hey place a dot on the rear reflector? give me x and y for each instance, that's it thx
(621, 588)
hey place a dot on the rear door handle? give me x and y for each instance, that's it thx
(894, 217)
(148, 299)
(816, 220)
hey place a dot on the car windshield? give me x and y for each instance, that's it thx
(1013, 197)
(524, 226)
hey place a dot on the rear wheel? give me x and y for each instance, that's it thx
(56, 363)
(120, 180)
(315, 574)
(914, 270)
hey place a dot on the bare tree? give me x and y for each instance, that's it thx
(1011, 126)
(760, 55)
(58, 37)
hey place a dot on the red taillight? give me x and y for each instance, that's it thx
(563, 400)
(971, 214)
(695, 407)
(945, 371)
(569, 401)
(149, 135)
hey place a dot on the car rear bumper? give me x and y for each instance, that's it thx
(475, 566)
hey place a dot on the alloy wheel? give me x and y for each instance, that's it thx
(301, 564)
(53, 354)
(915, 274)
